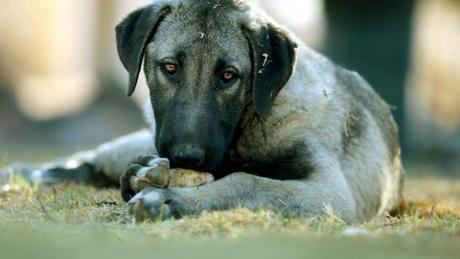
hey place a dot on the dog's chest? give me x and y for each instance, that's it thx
(285, 163)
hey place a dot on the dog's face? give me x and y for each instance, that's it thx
(203, 66)
(199, 77)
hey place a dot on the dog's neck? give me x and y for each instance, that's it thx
(300, 107)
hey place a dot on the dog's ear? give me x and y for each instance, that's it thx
(133, 35)
(274, 56)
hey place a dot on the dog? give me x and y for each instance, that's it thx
(233, 93)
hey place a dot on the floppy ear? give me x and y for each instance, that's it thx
(274, 56)
(133, 35)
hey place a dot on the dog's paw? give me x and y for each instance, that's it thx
(155, 172)
(28, 172)
(54, 173)
(151, 204)
(144, 172)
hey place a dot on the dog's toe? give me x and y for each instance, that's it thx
(149, 204)
(143, 173)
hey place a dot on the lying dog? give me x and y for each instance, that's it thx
(232, 93)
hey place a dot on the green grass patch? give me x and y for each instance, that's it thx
(70, 221)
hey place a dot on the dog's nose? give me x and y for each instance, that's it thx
(187, 156)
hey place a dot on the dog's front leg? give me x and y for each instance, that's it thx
(101, 166)
(308, 198)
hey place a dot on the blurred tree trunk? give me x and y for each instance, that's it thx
(46, 51)
(434, 84)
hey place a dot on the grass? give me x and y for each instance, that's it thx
(70, 221)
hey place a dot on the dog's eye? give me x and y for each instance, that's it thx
(170, 68)
(228, 77)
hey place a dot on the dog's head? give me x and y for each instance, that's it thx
(205, 61)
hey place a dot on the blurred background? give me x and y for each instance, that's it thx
(62, 88)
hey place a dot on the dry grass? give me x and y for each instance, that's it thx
(49, 219)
